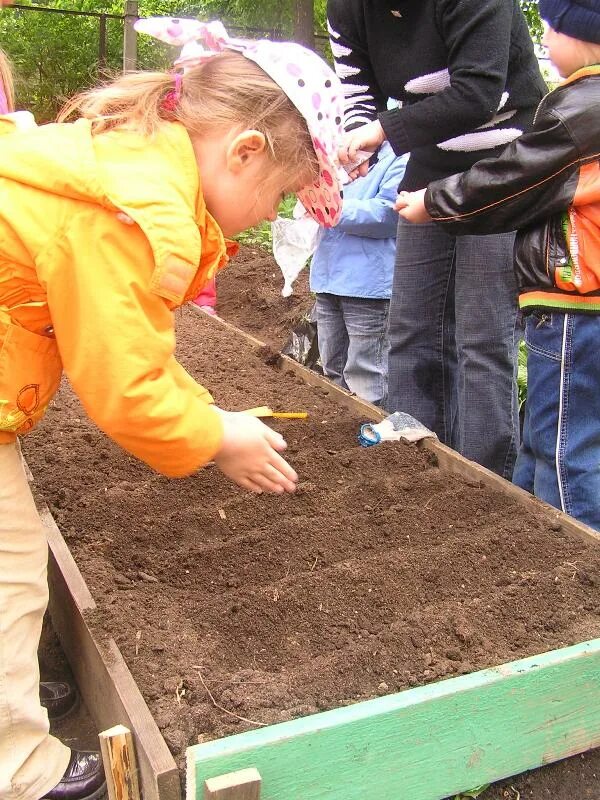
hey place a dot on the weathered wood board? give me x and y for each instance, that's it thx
(425, 743)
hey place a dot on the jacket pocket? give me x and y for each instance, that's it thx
(30, 372)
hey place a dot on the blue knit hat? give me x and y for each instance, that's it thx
(577, 18)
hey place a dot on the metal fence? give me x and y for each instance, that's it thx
(101, 16)
(59, 51)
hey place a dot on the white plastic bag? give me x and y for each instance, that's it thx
(294, 242)
(398, 425)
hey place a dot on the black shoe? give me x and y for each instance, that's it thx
(83, 780)
(58, 698)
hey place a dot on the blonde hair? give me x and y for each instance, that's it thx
(225, 92)
(6, 80)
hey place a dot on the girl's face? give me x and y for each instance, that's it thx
(255, 198)
(567, 54)
(241, 186)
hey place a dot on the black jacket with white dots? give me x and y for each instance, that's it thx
(464, 70)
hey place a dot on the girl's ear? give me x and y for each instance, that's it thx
(244, 148)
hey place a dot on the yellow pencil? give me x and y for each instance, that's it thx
(265, 411)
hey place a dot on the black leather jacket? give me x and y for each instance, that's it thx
(546, 184)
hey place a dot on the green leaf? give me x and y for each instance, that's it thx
(522, 373)
(472, 793)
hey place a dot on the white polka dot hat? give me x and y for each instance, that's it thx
(305, 77)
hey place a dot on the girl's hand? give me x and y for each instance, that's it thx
(249, 455)
(368, 137)
(411, 206)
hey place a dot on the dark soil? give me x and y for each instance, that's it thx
(380, 573)
(249, 296)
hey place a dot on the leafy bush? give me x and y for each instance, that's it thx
(522, 374)
(261, 235)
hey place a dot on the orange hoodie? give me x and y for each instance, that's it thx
(101, 237)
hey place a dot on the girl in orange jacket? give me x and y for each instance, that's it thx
(107, 224)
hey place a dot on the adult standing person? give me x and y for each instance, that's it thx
(468, 80)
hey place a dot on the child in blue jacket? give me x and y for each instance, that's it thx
(351, 274)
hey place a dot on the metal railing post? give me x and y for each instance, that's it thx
(102, 42)
(130, 36)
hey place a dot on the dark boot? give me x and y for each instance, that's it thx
(58, 698)
(83, 780)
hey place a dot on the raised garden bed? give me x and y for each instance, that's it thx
(249, 297)
(383, 572)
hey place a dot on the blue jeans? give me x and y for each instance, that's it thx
(353, 343)
(559, 459)
(454, 335)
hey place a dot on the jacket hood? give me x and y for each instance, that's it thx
(146, 178)
(53, 158)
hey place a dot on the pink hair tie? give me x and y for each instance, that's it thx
(171, 99)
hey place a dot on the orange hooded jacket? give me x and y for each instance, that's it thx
(101, 237)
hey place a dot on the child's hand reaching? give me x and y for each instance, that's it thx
(250, 456)
(411, 206)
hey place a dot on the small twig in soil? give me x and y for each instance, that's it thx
(573, 566)
(226, 711)
(235, 682)
(314, 563)
(439, 495)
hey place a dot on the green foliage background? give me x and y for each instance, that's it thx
(56, 55)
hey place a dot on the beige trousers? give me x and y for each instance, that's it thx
(31, 761)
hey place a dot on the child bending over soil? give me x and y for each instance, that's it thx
(547, 184)
(108, 224)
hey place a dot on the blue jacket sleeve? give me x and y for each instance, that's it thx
(374, 217)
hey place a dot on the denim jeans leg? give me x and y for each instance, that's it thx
(333, 337)
(488, 330)
(535, 469)
(453, 341)
(365, 371)
(559, 459)
(420, 360)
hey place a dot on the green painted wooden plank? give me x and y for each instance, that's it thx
(424, 743)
